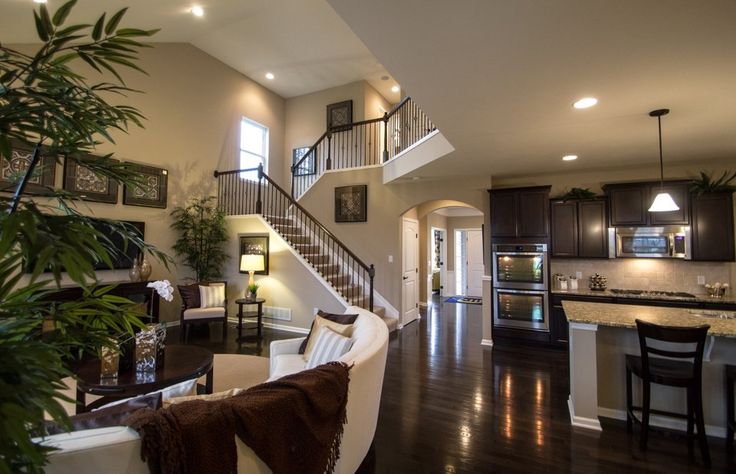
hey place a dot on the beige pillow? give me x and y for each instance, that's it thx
(342, 329)
(208, 397)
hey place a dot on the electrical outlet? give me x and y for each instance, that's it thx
(579, 275)
(390, 259)
(701, 280)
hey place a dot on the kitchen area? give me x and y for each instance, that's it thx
(574, 271)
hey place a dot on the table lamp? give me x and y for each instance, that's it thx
(252, 263)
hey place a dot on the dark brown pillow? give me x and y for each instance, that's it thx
(110, 416)
(335, 318)
(190, 295)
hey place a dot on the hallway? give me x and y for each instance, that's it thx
(452, 405)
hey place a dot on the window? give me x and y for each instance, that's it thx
(253, 147)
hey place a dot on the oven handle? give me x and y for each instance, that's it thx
(521, 292)
(513, 254)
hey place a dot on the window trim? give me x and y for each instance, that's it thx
(266, 143)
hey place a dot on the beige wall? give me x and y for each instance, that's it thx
(380, 236)
(289, 283)
(193, 103)
(306, 115)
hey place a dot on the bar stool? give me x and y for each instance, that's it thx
(674, 373)
(730, 418)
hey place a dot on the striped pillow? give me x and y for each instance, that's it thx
(212, 296)
(328, 347)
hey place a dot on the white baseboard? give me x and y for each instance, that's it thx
(663, 422)
(486, 342)
(582, 422)
(283, 327)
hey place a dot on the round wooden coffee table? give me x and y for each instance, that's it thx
(181, 363)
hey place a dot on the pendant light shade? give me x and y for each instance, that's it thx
(663, 202)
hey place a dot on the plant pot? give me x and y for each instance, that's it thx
(252, 295)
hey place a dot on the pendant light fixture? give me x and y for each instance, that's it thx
(663, 202)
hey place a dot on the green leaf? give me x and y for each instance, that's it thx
(71, 29)
(40, 28)
(97, 30)
(48, 26)
(63, 12)
(114, 21)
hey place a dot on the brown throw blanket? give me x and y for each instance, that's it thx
(294, 424)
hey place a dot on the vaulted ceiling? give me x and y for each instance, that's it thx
(499, 78)
(302, 42)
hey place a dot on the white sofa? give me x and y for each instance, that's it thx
(117, 449)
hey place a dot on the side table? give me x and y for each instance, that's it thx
(259, 313)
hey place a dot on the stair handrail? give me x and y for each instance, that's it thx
(370, 269)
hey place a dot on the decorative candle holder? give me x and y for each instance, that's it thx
(145, 351)
(109, 362)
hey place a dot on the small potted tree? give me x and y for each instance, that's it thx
(201, 237)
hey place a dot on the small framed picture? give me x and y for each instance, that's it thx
(257, 244)
(89, 185)
(307, 167)
(351, 203)
(340, 116)
(151, 191)
(13, 168)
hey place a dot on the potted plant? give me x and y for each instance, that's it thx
(253, 291)
(202, 236)
(705, 184)
(50, 108)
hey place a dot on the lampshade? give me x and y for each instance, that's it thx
(663, 203)
(252, 263)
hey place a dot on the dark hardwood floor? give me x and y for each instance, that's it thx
(452, 405)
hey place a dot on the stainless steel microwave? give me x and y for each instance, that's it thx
(652, 242)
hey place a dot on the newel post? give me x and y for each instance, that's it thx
(385, 137)
(328, 164)
(371, 275)
(259, 204)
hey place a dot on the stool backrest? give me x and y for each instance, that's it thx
(672, 334)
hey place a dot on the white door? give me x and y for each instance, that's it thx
(409, 270)
(474, 263)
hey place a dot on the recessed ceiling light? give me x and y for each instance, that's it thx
(395, 89)
(39, 1)
(270, 76)
(569, 157)
(385, 78)
(197, 11)
(585, 102)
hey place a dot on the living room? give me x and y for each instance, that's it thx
(198, 92)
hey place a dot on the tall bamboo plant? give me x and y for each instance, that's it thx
(47, 105)
(201, 237)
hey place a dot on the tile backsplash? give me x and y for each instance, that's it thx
(647, 274)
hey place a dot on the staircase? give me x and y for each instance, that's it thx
(349, 276)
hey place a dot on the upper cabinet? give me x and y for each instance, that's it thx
(521, 213)
(629, 204)
(712, 227)
(579, 229)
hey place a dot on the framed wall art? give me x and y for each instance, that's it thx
(308, 166)
(254, 244)
(151, 191)
(340, 116)
(89, 185)
(351, 203)
(13, 167)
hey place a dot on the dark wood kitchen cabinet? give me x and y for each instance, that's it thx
(713, 227)
(629, 204)
(520, 213)
(579, 228)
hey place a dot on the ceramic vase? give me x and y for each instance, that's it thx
(145, 269)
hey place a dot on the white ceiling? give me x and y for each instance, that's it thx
(304, 43)
(498, 77)
(456, 211)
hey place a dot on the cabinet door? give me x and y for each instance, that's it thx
(564, 229)
(679, 193)
(533, 214)
(503, 214)
(627, 205)
(712, 227)
(559, 327)
(593, 225)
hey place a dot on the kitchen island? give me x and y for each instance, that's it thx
(601, 334)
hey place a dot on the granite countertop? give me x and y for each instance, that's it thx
(624, 316)
(584, 291)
